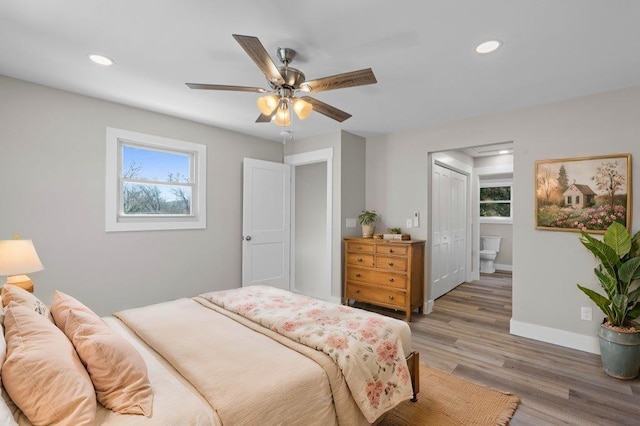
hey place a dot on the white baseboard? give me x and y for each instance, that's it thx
(501, 267)
(564, 338)
(428, 307)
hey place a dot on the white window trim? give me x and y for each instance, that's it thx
(487, 183)
(114, 221)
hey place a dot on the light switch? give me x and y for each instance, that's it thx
(416, 219)
(351, 223)
(408, 224)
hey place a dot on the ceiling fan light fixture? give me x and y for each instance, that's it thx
(302, 108)
(283, 115)
(267, 104)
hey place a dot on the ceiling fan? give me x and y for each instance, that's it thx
(285, 82)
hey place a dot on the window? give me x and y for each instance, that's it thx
(495, 202)
(154, 183)
(577, 199)
(569, 198)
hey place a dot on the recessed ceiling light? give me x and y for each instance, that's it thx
(100, 60)
(503, 151)
(488, 46)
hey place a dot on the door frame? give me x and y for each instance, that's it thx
(311, 157)
(444, 160)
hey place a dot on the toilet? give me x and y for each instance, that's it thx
(490, 247)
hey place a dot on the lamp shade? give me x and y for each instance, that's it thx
(283, 116)
(302, 108)
(267, 104)
(18, 257)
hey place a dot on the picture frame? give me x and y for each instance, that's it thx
(583, 193)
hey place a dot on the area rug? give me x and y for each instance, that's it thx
(445, 399)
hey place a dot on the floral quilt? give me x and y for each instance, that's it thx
(366, 346)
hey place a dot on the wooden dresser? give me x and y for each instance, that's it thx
(387, 273)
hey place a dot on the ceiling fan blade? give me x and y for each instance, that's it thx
(258, 53)
(226, 87)
(326, 109)
(341, 81)
(264, 118)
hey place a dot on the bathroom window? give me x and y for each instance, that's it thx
(496, 205)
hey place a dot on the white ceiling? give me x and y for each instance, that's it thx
(422, 53)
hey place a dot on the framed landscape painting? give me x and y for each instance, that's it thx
(583, 194)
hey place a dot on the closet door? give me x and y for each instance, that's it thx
(449, 230)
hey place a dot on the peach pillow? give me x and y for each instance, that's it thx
(117, 370)
(62, 304)
(42, 373)
(12, 293)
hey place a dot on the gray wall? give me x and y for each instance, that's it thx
(52, 168)
(310, 229)
(547, 265)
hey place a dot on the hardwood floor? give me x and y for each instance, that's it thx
(467, 335)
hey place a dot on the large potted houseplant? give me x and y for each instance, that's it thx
(368, 219)
(619, 268)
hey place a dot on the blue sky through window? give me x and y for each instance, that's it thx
(155, 165)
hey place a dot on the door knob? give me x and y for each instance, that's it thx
(248, 238)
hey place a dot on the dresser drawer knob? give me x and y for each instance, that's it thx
(390, 250)
(390, 263)
(357, 290)
(360, 260)
(359, 247)
(391, 280)
(390, 297)
(358, 275)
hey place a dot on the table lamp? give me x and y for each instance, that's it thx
(19, 257)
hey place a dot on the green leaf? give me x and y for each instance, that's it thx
(607, 281)
(601, 301)
(633, 296)
(635, 245)
(617, 237)
(630, 270)
(602, 251)
(635, 312)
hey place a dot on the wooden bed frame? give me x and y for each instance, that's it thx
(413, 363)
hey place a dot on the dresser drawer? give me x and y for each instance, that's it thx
(360, 259)
(394, 263)
(388, 279)
(392, 249)
(360, 247)
(375, 295)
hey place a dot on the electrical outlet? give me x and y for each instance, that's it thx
(351, 223)
(407, 223)
(586, 314)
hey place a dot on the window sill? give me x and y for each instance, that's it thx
(497, 220)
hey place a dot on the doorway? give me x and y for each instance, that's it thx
(475, 163)
(311, 222)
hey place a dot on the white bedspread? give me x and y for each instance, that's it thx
(247, 377)
(367, 347)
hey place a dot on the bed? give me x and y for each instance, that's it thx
(260, 355)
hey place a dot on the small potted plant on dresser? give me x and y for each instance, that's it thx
(618, 272)
(368, 219)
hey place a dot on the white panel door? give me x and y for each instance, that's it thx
(449, 225)
(440, 243)
(266, 223)
(458, 228)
